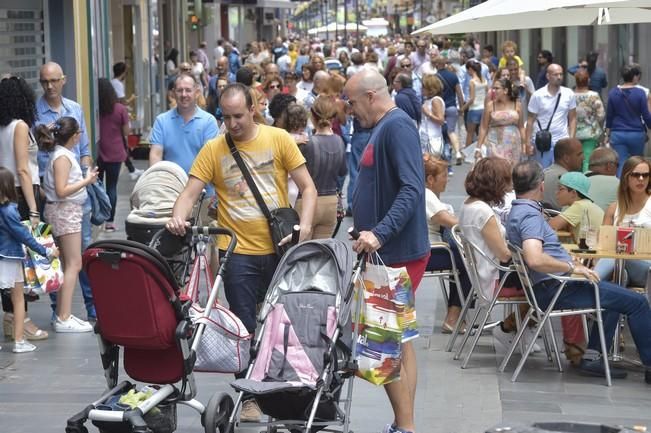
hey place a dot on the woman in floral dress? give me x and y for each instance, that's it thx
(590, 115)
(502, 126)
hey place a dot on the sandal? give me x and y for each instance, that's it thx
(446, 328)
(574, 353)
(30, 330)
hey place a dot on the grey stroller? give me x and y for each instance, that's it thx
(304, 349)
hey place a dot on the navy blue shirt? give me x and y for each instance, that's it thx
(526, 221)
(389, 195)
(407, 100)
(449, 81)
(626, 109)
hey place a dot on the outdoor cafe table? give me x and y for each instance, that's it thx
(618, 275)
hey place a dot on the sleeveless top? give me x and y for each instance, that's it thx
(428, 127)
(640, 219)
(74, 176)
(480, 96)
(8, 156)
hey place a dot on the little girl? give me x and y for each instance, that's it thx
(13, 235)
(65, 193)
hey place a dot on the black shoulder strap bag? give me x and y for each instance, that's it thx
(281, 220)
(543, 137)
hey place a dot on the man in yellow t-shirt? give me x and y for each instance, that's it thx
(270, 155)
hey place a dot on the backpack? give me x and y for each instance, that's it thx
(101, 205)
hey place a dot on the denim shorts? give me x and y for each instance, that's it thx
(451, 117)
(474, 116)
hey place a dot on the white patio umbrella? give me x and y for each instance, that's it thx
(520, 14)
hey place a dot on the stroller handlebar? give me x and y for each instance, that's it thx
(207, 231)
(353, 233)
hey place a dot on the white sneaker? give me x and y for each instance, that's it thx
(527, 337)
(502, 340)
(250, 411)
(136, 174)
(72, 325)
(23, 346)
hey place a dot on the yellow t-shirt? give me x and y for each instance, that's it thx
(270, 156)
(502, 63)
(573, 214)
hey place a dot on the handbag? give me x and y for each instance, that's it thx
(281, 220)
(225, 343)
(388, 319)
(543, 138)
(42, 275)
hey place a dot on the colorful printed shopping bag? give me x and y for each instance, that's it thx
(388, 319)
(44, 276)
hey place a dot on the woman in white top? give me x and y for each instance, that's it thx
(440, 219)
(18, 153)
(632, 208)
(65, 192)
(198, 71)
(475, 102)
(433, 116)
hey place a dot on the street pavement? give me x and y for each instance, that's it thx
(40, 390)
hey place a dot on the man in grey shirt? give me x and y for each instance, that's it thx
(603, 176)
(568, 156)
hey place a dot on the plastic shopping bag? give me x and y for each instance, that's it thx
(42, 275)
(388, 319)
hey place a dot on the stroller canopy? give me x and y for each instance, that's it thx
(324, 265)
(153, 196)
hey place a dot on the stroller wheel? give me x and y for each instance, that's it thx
(218, 411)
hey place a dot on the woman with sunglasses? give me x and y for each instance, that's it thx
(272, 86)
(632, 208)
(501, 132)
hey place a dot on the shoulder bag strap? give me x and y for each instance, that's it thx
(558, 99)
(628, 104)
(247, 176)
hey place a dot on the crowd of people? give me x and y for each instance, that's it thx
(391, 116)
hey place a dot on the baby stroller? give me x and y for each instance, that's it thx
(139, 308)
(152, 201)
(304, 350)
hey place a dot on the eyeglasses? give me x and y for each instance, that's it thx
(53, 81)
(638, 175)
(406, 65)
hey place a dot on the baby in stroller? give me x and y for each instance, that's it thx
(152, 201)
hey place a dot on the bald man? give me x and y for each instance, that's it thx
(49, 108)
(542, 114)
(389, 209)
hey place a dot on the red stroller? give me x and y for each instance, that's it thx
(139, 308)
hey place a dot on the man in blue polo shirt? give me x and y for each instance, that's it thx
(49, 108)
(179, 134)
(544, 254)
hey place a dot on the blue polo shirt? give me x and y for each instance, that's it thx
(389, 195)
(182, 141)
(526, 221)
(46, 115)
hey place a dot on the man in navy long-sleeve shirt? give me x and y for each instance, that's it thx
(389, 208)
(406, 98)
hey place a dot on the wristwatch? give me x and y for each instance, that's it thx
(571, 265)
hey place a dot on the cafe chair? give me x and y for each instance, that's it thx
(542, 318)
(446, 276)
(483, 306)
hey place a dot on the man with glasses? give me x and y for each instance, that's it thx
(545, 59)
(389, 209)
(419, 56)
(407, 67)
(603, 176)
(49, 108)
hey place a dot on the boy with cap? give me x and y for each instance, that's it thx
(573, 195)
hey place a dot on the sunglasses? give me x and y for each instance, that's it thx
(408, 65)
(637, 175)
(274, 86)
